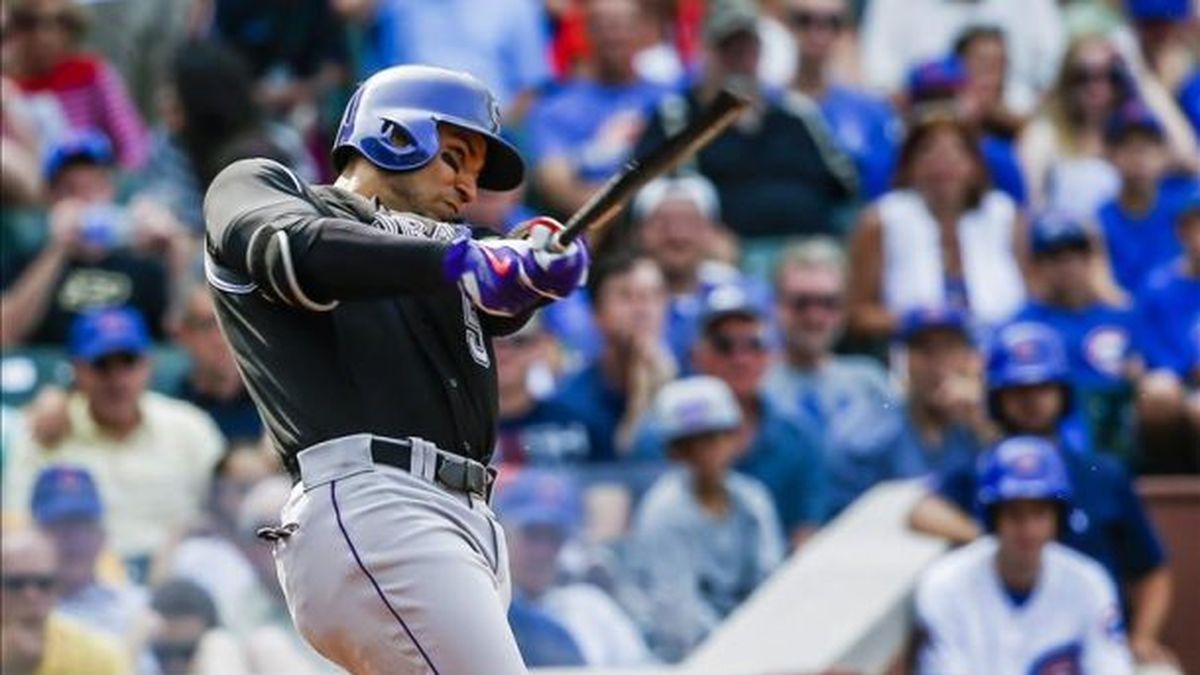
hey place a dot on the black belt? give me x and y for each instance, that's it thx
(451, 471)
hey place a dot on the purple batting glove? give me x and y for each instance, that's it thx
(490, 272)
(553, 274)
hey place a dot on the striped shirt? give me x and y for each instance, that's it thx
(93, 96)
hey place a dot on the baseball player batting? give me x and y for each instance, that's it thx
(361, 315)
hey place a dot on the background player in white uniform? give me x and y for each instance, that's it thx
(1017, 602)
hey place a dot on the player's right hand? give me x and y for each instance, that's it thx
(491, 273)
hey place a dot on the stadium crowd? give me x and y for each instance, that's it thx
(940, 224)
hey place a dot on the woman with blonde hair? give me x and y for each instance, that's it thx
(1063, 150)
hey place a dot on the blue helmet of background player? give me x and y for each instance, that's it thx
(1026, 354)
(1022, 467)
(392, 121)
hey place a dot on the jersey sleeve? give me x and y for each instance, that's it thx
(1105, 650)
(267, 233)
(942, 650)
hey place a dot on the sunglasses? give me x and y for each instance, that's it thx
(802, 20)
(30, 22)
(120, 361)
(16, 583)
(166, 652)
(802, 301)
(1086, 75)
(727, 345)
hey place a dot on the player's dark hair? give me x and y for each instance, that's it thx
(613, 264)
(180, 598)
(221, 120)
(974, 33)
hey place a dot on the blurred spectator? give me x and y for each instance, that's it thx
(501, 42)
(944, 87)
(150, 455)
(705, 537)
(20, 168)
(941, 239)
(616, 387)
(189, 640)
(1138, 223)
(1166, 34)
(1098, 336)
(1168, 312)
(542, 641)
(983, 52)
(34, 637)
(898, 34)
(773, 448)
(213, 383)
(848, 398)
(99, 252)
(533, 428)
(676, 222)
(944, 421)
(584, 129)
(778, 170)
(673, 51)
(864, 126)
(1057, 610)
(541, 511)
(296, 49)
(1029, 394)
(138, 37)
(1063, 148)
(211, 118)
(67, 508)
(45, 60)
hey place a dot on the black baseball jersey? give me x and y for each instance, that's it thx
(383, 343)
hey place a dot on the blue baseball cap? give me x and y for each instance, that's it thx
(1132, 116)
(726, 300)
(63, 492)
(694, 406)
(1158, 10)
(917, 321)
(103, 332)
(937, 79)
(1055, 232)
(88, 146)
(540, 497)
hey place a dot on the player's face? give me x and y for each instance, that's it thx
(113, 385)
(1140, 158)
(810, 307)
(1033, 409)
(1024, 526)
(986, 63)
(735, 350)
(678, 236)
(632, 305)
(1066, 271)
(943, 168)
(442, 188)
(707, 455)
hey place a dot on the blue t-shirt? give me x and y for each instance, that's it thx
(587, 398)
(1169, 316)
(1139, 244)
(913, 456)
(594, 126)
(869, 131)
(1099, 341)
(1107, 521)
(542, 641)
(784, 455)
(1000, 156)
(548, 434)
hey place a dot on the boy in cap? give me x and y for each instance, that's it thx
(704, 537)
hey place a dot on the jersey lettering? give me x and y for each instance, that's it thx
(475, 338)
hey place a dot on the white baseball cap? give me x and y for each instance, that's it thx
(695, 405)
(693, 188)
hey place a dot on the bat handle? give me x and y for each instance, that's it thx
(558, 242)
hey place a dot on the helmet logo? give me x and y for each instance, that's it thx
(494, 114)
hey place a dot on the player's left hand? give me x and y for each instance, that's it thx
(551, 273)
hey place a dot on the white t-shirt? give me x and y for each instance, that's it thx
(1070, 623)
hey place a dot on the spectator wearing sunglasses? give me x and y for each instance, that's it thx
(848, 398)
(1063, 148)
(151, 456)
(776, 449)
(866, 127)
(34, 638)
(45, 59)
(189, 639)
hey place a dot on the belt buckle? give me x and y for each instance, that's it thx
(462, 474)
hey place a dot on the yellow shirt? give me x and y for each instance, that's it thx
(152, 483)
(71, 649)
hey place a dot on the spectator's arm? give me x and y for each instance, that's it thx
(1181, 138)
(883, 58)
(1104, 282)
(121, 120)
(1037, 149)
(20, 175)
(1150, 597)
(868, 316)
(934, 515)
(23, 305)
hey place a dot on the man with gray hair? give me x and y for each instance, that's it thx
(849, 398)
